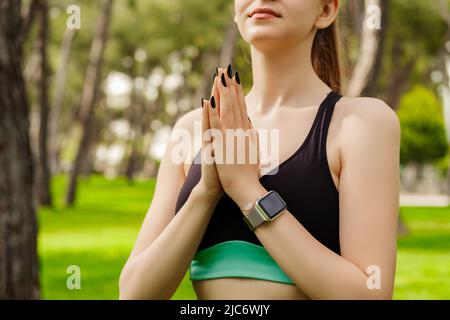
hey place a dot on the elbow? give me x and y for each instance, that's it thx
(123, 294)
(382, 292)
(358, 293)
(381, 295)
(132, 294)
(130, 289)
(127, 291)
(374, 294)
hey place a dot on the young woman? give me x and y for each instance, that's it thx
(338, 175)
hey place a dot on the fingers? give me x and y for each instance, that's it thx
(205, 122)
(232, 85)
(207, 156)
(226, 102)
(215, 127)
(242, 105)
(233, 108)
(214, 121)
(215, 90)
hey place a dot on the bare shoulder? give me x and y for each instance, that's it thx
(186, 133)
(369, 127)
(369, 115)
(187, 121)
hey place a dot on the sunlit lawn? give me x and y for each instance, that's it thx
(98, 233)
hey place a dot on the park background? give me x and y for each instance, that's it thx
(79, 155)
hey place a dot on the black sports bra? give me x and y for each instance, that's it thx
(304, 181)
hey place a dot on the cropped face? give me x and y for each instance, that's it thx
(265, 24)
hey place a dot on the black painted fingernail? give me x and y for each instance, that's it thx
(229, 71)
(223, 80)
(217, 71)
(213, 77)
(236, 76)
(213, 102)
(202, 101)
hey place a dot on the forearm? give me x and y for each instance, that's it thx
(159, 269)
(314, 268)
(317, 270)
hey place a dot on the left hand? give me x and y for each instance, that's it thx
(239, 179)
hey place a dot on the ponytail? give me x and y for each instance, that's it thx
(325, 56)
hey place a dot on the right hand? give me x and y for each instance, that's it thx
(209, 181)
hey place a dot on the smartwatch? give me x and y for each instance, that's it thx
(266, 208)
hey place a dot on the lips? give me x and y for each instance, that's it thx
(264, 11)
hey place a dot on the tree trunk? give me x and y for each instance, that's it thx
(18, 228)
(87, 163)
(399, 83)
(402, 229)
(90, 93)
(60, 86)
(44, 176)
(135, 115)
(368, 52)
(371, 88)
(419, 172)
(225, 58)
(208, 61)
(229, 44)
(355, 11)
(135, 140)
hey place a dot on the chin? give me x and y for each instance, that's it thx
(267, 40)
(265, 45)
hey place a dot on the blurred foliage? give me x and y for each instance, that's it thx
(415, 33)
(441, 165)
(423, 137)
(189, 30)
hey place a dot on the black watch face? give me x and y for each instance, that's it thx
(272, 204)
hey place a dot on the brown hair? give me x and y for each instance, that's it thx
(325, 56)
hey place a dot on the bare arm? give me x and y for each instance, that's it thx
(166, 243)
(368, 191)
(369, 147)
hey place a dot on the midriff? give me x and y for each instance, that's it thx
(246, 289)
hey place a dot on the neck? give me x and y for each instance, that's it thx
(284, 77)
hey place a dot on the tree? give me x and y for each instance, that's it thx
(371, 85)
(90, 94)
(372, 39)
(57, 103)
(18, 229)
(44, 176)
(409, 49)
(423, 132)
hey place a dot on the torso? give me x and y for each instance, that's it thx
(293, 131)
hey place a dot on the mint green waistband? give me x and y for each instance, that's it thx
(236, 258)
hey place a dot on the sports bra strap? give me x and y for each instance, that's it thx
(324, 122)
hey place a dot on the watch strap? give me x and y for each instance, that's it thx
(254, 218)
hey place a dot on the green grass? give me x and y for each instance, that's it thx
(423, 264)
(98, 234)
